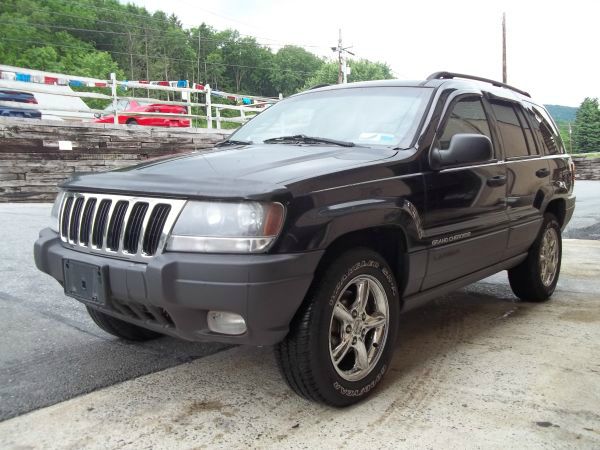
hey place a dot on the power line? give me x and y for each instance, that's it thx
(120, 33)
(274, 42)
(161, 57)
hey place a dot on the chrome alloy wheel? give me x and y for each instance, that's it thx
(549, 256)
(358, 328)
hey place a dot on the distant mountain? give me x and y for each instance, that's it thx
(562, 113)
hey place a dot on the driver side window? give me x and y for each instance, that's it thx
(466, 116)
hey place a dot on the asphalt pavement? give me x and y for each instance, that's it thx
(585, 223)
(51, 351)
(50, 348)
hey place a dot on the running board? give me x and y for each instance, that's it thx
(419, 299)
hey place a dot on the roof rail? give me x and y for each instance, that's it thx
(450, 75)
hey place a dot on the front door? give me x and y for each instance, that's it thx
(465, 215)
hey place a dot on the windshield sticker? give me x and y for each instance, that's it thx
(379, 138)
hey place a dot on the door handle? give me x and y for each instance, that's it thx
(498, 180)
(542, 173)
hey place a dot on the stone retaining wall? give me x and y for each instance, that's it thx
(586, 168)
(35, 155)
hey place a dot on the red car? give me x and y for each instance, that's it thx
(123, 106)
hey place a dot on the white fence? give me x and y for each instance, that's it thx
(207, 105)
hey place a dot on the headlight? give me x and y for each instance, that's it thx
(224, 227)
(56, 211)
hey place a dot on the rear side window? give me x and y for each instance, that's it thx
(546, 131)
(511, 130)
(531, 145)
(466, 116)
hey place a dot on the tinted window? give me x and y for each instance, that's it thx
(547, 133)
(531, 145)
(510, 129)
(466, 116)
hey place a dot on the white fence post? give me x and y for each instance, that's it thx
(113, 86)
(208, 107)
(189, 102)
(218, 111)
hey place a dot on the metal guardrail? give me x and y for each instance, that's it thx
(31, 81)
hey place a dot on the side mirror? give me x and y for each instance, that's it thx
(97, 115)
(464, 149)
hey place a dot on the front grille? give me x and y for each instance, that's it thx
(121, 226)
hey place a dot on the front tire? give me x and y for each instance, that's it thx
(120, 328)
(535, 278)
(342, 339)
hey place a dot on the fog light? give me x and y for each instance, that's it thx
(226, 322)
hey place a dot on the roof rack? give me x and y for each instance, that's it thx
(450, 75)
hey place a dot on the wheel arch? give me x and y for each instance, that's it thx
(558, 207)
(388, 241)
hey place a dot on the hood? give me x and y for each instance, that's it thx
(231, 172)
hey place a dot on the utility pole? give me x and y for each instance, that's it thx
(147, 68)
(199, 47)
(570, 139)
(339, 50)
(343, 69)
(504, 78)
(130, 56)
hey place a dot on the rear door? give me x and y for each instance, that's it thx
(465, 215)
(527, 173)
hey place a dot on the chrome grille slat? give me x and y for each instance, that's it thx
(100, 221)
(75, 220)
(154, 233)
(115, 226)
(133, 227)
(140, 243)
(123, 218)
(120, 226)
(86, 219)
(108, 219)
(65, 215)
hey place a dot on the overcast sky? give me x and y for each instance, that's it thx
(553, 46)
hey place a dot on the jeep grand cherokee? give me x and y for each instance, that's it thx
(319, 221)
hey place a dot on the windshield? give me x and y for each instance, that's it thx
(368, 116)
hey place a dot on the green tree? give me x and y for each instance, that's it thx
(215, 69)
(292, 67)
(361, 70)
(586, 133)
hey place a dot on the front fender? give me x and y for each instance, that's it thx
(317, 228)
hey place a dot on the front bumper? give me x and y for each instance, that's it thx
(173, 293)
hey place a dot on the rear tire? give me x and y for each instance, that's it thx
(535, 278)
(342, 338)
(120, 328)
(131, 122)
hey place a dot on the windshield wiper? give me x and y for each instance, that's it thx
(303, 139)
(232, 142)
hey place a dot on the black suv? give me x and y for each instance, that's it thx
(319, 221)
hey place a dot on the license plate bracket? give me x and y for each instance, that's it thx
(85, 282)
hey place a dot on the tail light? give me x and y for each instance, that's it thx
(31, 100)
